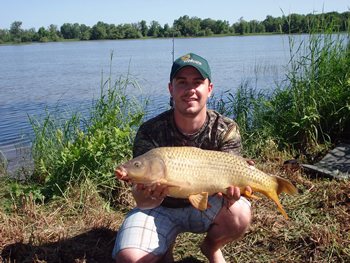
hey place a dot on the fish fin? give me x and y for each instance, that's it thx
(274, 197)
(199, 201)
(247, 194)
(285, 187)
(183, 184)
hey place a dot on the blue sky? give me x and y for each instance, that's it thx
(38, 13)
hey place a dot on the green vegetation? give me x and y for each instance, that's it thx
(309, 111)
(70, 208)
(182, 27)
(69, 146)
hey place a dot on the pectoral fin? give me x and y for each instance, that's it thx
(183, 184)
(247, 194)
(200, 201)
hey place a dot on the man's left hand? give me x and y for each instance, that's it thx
(233, 194)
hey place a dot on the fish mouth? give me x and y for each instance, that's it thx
(121, 173)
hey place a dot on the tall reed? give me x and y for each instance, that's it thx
(69, 145)
(3, 164)
(313, 107)
(310, 109)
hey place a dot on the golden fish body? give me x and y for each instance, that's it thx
(194, 173)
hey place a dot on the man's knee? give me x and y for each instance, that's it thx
(232, 222)
(241, 216)
(130, 255)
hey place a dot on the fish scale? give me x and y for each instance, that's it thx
(201, 165)
(195, 173)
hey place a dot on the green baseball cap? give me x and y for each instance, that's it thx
(193, 60)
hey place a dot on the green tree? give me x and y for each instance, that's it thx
(296, 23)
(154, 29)
(220, 27)
(261, 28)
(33, 34)
(188, 26)
(43, 32)
(75, 31)
(132, 33)
(144, 28)
(269, 23)
(208, 31)
(182, 24)
(70, 31)
(54, 32)
(167, 31)
(15, 29)
(121, 29)
(208, 23)
(112, 32)
(26, 37)
(99, 31)
(5, 36)
(241, 27)
(278, 25)
(253, 26)
(84, 32)
(53, 29)
(66, 31)
(194, 26)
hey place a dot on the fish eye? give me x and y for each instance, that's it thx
(137, 164)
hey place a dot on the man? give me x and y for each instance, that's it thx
(149, 231)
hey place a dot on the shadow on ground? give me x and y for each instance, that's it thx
(95, 245)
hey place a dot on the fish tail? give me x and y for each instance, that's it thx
(285, 187)
(274, 197)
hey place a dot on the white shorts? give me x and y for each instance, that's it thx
(154, 230)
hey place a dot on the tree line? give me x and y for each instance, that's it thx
(185, 26)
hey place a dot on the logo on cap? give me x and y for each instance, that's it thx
(187, 59)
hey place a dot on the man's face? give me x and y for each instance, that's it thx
(190, 91)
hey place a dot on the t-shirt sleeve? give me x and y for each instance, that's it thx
(143, 142)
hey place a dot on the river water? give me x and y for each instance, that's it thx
(39, 75)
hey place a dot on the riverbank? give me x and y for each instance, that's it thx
(146, 37)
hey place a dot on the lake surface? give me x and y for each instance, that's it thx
(38, 75)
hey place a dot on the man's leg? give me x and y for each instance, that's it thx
(230, 224)
(137, 255)
(148, 235)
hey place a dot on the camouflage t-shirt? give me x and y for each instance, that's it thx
(218, 133)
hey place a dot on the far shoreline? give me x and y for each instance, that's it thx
(145, 38)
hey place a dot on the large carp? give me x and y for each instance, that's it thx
(194, 173)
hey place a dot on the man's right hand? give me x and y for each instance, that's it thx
(146, 198)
